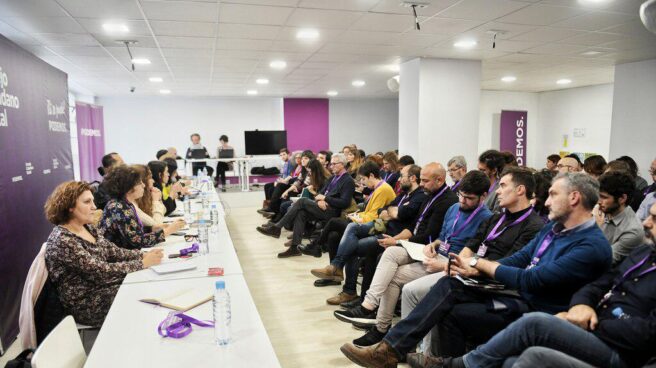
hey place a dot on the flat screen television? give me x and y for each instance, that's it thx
(265, 142)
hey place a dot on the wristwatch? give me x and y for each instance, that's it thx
(473, 261)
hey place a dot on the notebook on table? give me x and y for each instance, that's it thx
(183, 300)
(164, 268)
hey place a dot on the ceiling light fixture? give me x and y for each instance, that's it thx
(332, 93)
(591, 53)
(165, 91)
(278, 64)
(414, 4)
(262, 81)
(509, 79)
(251, 92)
(358, 83)
(156, 79)
(307, 34)
(465, 44)
(564, 81)
(141, 61)
(115, 28)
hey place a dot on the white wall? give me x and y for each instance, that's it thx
(372, 124)
(634, 113)
(560, 112)
(137, 127)
(492, 102)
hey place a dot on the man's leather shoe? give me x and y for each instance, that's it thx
(271, 231)
(310, 250)
(288, 243)
(329, 272)
(290, 252)
(420, 360)
(376, 356)
(341, 298)
(322, 282)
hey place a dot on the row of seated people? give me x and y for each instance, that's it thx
(98, 236)
(575, 282)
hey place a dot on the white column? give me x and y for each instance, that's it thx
(634, 114)
(439, 104)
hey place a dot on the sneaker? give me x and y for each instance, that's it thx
(372, 337)
(362, 326)
(356, 314)
(352, 304)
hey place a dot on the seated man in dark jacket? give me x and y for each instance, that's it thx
(335, 196)
(101, 195)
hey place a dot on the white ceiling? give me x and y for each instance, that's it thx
(211, 47)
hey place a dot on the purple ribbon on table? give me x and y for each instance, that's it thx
(193, 249)
(444, 247)
(178, 325)
(482, 249)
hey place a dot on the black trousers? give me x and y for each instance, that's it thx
(370, 262)
(268, 190)
(195, 166)
(221, 168)
(299, 214)
(332, 234)
(276, 197)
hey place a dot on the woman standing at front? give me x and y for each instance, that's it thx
(86, 268)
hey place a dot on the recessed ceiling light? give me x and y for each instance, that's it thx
(156, 79)
(262, 81)
(165, 91)
(564, 81)
(591, 53)
(332, 93)
(251, 92)
(115, 28)
(358, 83)
(509, 78)
(394, 68)
(278, 64)
(142, 61)
(465, 44)
(307, 34)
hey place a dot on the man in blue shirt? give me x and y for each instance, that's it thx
(568, 253)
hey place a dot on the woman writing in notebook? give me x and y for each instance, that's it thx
(86, 268)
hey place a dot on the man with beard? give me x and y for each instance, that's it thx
(615, 218)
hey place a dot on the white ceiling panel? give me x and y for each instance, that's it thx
(181, 11)
(593, 38)
(541, 15)
(17, 36)
(254, 14)
(482, 9)
(186, 29)
(367, 37)
(448, 26)
(65, 39)
(291, 3)
(242, 44)
(104, 9)
(634, 28)
(186, 42)
(384, 22)
(293, 46)
(546, 34)
(31, 8)
(595, 21)
(79, 51)
(395, 7)
(318, 18)
(556, 49)
(95, 26)
(186, 53)
(352, 5)
(44, 24)
(250, 31)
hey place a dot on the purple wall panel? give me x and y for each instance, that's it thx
(90, 138)
(306, 123)
(513, 134)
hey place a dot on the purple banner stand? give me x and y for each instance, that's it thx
(91, 139)
(306, 123)
(35, 156)
(512, 135)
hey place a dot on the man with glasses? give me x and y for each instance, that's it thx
(567, 253)
(457, 168)
(397, 268)
(568, 165)
(335, 196)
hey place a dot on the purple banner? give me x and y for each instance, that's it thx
(91, 139)
(306, 123)
(35, 156)
(513, 134)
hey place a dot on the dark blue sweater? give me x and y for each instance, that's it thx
(575, 258)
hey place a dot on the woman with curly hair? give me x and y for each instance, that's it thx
(120, 222)
(85, 267)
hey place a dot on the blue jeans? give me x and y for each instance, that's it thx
(355, 243)
(542, 329)
(538, 356)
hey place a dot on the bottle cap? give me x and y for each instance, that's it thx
(220, 285)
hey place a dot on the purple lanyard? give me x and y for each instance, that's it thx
(332, 184)
(423, 213)
(456, 185)
(626, 275)
(445, 246)
(482, 249)
(387, 175)
(403, 199)
(648, 189)
(193, 249)
(178, 325)
(492, 186)
(134, 209)
(546, 242)
(372, 192)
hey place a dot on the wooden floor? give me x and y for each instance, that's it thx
(300, 324)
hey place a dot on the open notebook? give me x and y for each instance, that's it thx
(416, 251)
(182, 300)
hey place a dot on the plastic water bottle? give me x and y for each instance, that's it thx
(203, 237)
(222, 314)
(619, 313)
(205, 200)
(214, 219)
(188, 217)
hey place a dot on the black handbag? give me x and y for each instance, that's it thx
(22, 360)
